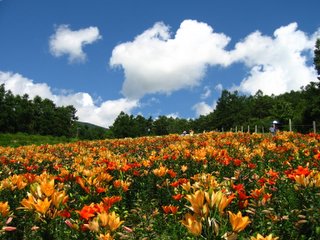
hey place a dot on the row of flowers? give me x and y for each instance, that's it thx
(214, 185)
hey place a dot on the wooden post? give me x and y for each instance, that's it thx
(314, 127)
(241, 128)
(256, 129)
(290, 125)
(248, 129)
(236, 128)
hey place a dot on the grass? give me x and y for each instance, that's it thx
(23, 139)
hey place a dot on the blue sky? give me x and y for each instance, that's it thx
(154, 58)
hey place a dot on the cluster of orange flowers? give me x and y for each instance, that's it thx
(214, 182)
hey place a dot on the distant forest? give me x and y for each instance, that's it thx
(233, 110)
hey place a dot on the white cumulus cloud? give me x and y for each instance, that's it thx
(276, 64)
(155, 62)
(87, 111)
(203, 108)
(67, 42)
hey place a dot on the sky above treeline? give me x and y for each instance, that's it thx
(169, 58)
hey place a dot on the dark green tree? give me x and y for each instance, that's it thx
(123, 126)
(231, 110)
(161, 125)
(141, 126)
(37, 116)
(316, 59)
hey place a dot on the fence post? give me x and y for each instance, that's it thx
(248, 129)
(290, 126)
(241, 128)
(314, 127)
(256, 129)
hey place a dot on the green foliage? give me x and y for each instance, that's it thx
(37, 116)
(233, 110)
(316, 60)
(87, 131)
(22, 139)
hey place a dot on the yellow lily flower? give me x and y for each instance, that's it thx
(103, 218)
(260, 237)
(184, 168)
(93, 225)
(197, 201)
(192, 224)
(58, 198)
(105, 237)
(224, 202)
(238, 222)
(161, 171)
(114, 221)
(109, 220)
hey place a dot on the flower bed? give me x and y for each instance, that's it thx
(205, 186)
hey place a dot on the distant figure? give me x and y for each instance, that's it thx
(184, 133)
(191, 132)
(274, 128)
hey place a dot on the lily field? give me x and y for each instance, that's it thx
(205, 186)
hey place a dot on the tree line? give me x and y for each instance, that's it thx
(34, 116)
(233, 109)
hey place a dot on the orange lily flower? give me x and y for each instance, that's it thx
(81, 182)
(18, 181)
(238, 222)
(27, 203)
(177, 197)
(256, 193)
(109, 201)
(47, 187)
(87, 212)
(4, 209)
(170, 209)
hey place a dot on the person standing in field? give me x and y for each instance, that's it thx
(274, 128)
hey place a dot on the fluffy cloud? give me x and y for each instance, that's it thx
(203, 108)
(102, 115)
(67, 42)
(20, 85)
(156, 63)
(276, 64)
